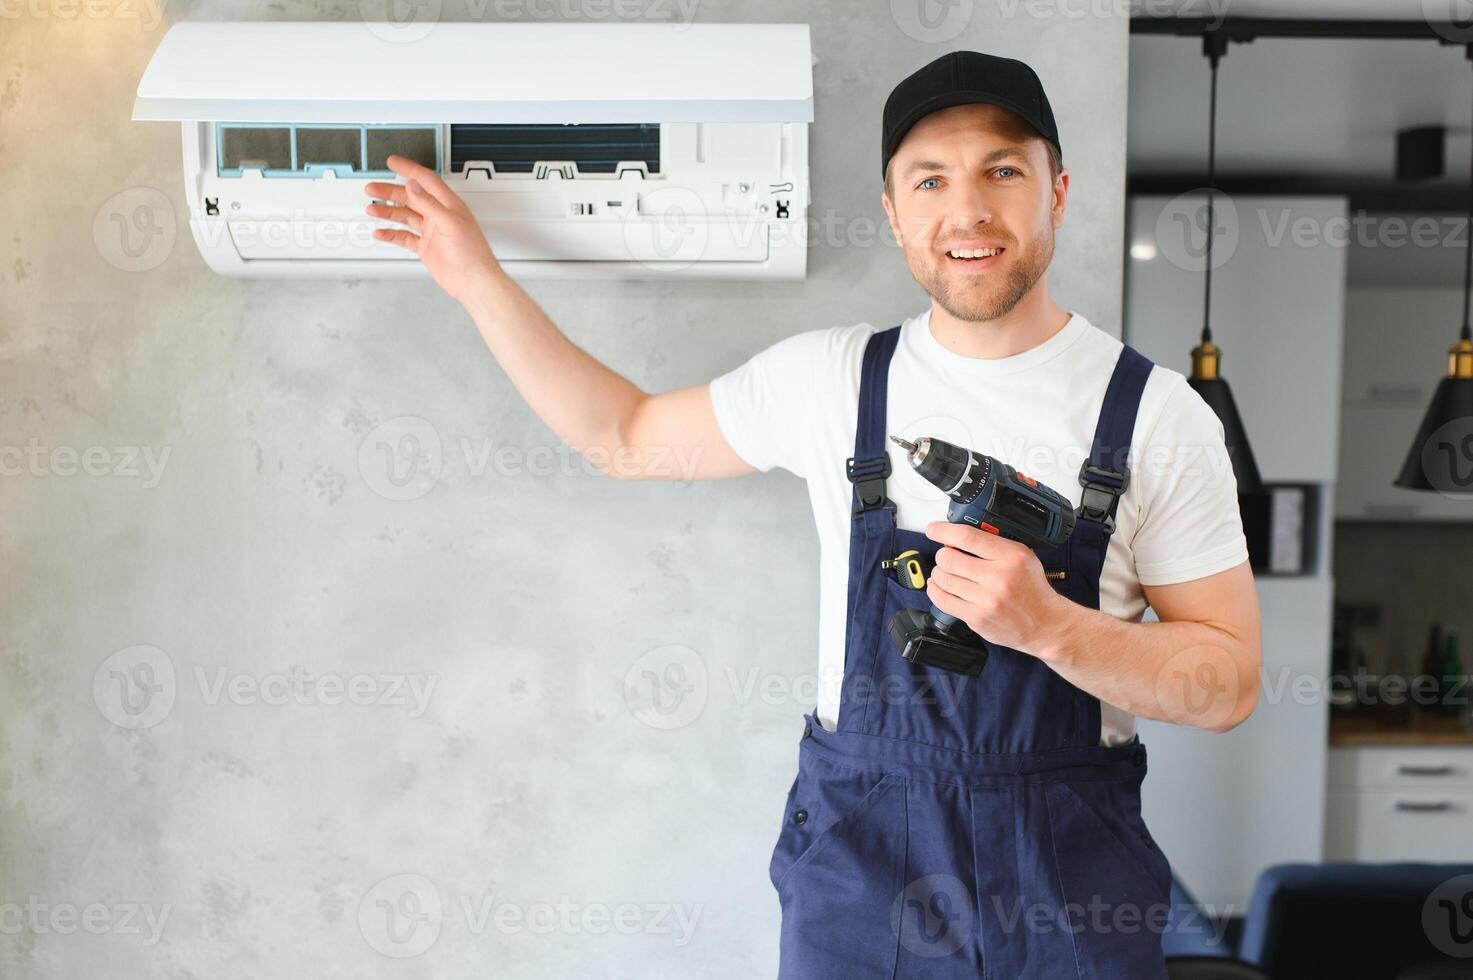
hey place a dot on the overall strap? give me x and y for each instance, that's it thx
(1106, 473)
(872, 527)
(869, 467)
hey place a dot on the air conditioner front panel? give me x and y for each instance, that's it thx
(786, 261)
(350, 72)
(638, 241)
(513, 241)
(275, 186)
(314, 240)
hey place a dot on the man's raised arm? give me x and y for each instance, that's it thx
(625, 432)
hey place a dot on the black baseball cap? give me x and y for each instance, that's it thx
(967, 78)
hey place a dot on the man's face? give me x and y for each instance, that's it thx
(975, 177)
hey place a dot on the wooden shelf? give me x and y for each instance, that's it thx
(1418, 728)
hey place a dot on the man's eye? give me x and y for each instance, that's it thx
(928, 180)
(1007, 171)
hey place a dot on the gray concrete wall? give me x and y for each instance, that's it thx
(249, 695)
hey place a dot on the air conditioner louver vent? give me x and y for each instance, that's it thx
(595, 148)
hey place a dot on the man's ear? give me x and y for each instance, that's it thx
(1061, 197)
(894, 221)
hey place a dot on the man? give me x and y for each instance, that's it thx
(941, 825)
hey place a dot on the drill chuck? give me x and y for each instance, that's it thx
(944, 466)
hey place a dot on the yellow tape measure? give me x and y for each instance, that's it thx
(911, 569)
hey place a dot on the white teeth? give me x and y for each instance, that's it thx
(975, 253)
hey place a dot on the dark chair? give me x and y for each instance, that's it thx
(1439, 970)
(1341, 920)
(1211, 968)
(1190, 934)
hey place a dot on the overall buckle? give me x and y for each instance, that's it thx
(1102, 488)
(868, 477)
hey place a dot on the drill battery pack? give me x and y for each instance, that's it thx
(958, 649)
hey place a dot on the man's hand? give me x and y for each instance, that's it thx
(1199, 666)
(995, 586)
(442, 231)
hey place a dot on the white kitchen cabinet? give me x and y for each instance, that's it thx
(1277, 312)
(1400, 803)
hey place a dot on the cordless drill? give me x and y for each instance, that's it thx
(989, 495)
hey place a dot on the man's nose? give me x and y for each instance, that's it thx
(973, 205)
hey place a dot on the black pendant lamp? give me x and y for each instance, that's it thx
(1206, 379)
(1438, 459)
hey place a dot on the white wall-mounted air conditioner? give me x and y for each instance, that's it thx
(585, 150)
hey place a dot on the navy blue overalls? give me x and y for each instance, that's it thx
(968, 827)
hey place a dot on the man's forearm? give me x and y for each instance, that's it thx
(581, 400)
(624, 431)
(1199, 666)
(1197, 674)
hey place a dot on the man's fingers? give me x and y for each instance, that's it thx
(398, 236)
(398, 215)
(943, 600)
(970, 539)
(963, 565)
(969, 590)
(422, 200)
(381, 191)
(418, 192)
(427, 178)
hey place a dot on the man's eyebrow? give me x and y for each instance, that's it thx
(926, 165)
(1001, 153)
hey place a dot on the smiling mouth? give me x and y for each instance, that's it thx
(981, 257)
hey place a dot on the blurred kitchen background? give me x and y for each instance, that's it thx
(1338, 284)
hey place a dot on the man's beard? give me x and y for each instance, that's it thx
(993, 300)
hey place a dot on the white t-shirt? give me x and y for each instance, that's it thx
(795, 405)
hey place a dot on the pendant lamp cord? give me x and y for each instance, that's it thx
(1213, 55)
(1467, 333)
